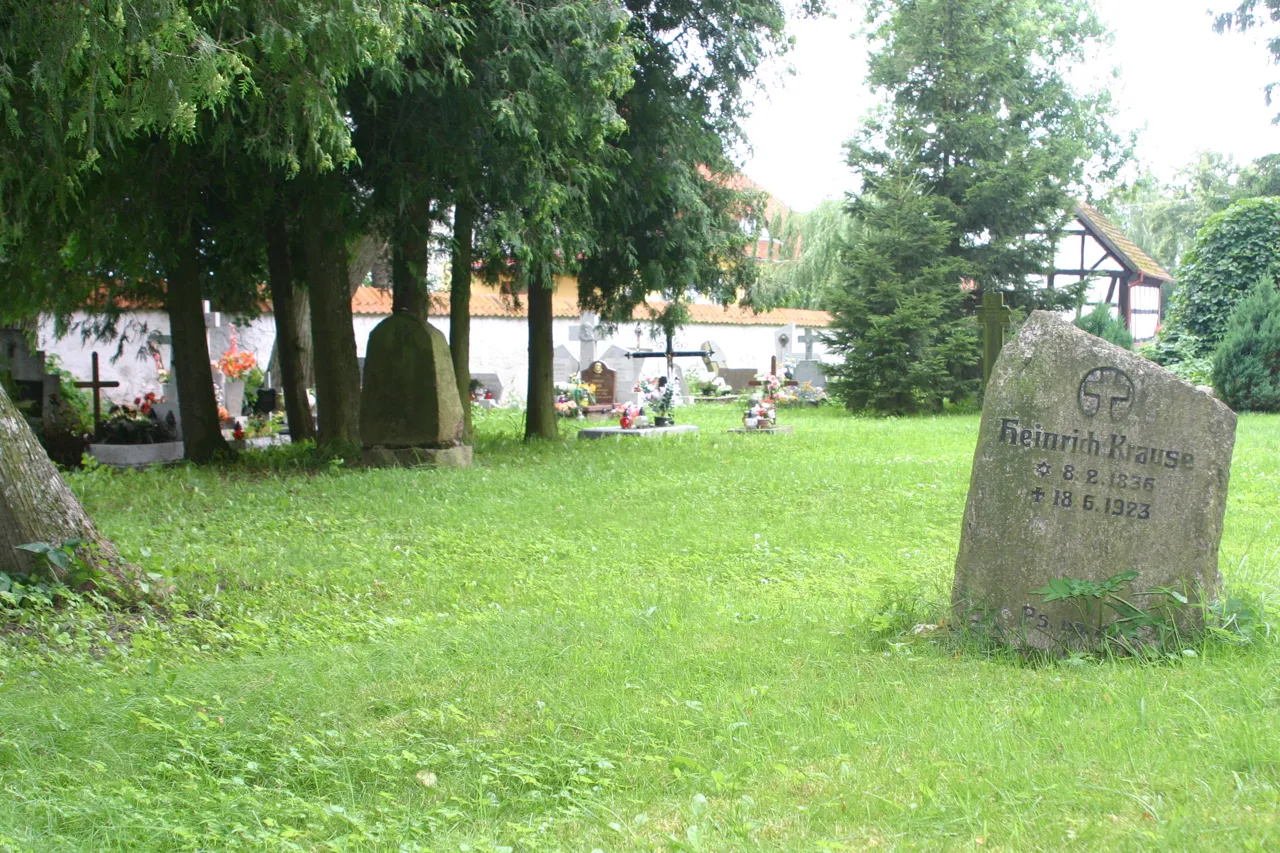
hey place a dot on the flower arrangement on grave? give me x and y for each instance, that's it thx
(711, 386)
(163, 374)
(760, 414)
(631, 416)
(659, 394)
(573, 397)
(807, 394)
(236, 363)
(136, 424)
(261, 426)
(145, 402)
(769, 382)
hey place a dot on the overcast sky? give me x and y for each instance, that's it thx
(1184, 87)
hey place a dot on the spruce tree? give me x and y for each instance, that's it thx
(897, 320)
(1246, 366)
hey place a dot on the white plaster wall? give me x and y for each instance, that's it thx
(136, 375)
(498, 345)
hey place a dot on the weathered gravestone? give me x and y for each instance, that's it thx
(737, 377)
(1091, 461)
(813, 372)
(565, 365)
(491, 383)
(605, 381)
(410, 412)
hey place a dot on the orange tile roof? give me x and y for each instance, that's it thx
(371, 300)
(1125, 250)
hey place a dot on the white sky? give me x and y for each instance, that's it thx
(1184, 87)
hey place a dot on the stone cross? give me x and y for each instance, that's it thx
(585, 333)
(808, 339)
(97, 385)
(994, 316)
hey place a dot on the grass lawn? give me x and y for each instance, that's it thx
(644, 645)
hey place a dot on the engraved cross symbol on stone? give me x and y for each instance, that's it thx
(1038, 495)
(1106, 389)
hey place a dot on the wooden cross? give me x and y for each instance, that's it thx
(97, 385)
(994, 316)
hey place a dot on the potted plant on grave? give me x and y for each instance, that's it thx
(660, 395)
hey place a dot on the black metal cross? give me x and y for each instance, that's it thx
(97, 385)
(670, 354)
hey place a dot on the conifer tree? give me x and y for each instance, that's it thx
(1246, 366)
(897, 319)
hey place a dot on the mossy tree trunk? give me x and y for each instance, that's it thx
(540, 418)
(292, 351)
(332, 328)
(464, 217)
(201, 430)
(37, 506)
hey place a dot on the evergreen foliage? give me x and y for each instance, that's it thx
(1236, 249)
(980, 111)
(898, 320)
(1101, 322)
(968, 170)
(1246, 366)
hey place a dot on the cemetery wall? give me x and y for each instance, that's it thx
(498, 345)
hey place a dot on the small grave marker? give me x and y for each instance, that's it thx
(97, 385)
(1091, 461)
(994, 316)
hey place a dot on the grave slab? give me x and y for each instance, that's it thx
(137, 455)
(786, 429)
(1090, 461)
(647, 432)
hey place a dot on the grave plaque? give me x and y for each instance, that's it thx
(1091, 461)
(605, 380)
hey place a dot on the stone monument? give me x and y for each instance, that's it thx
(1091, 461)
(410, 412)
(605, 381)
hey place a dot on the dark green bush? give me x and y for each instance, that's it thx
(1101, 322)
(1235, 249)
(1246, 366)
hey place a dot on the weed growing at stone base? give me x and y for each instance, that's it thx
(701, 644)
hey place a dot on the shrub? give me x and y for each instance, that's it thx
(1235, 249)
(1246, 366)
(1102, 323)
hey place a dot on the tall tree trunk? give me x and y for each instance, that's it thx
(37, 506)
(540, 420)
(292, 351)
(201, 431)
(408, 279)
(464, 218)
(332, 329)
